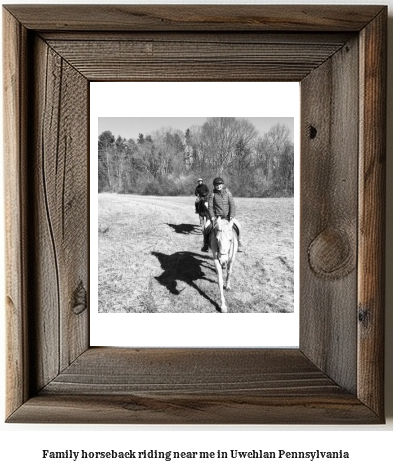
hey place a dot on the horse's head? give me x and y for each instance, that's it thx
(224, 236)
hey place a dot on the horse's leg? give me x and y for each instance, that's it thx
(231, 263)
(217, 264)
(229, 273)
(204, 216)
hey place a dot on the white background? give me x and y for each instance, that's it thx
(203, 99)
(370, 447)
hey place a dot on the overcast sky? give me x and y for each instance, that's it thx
(131, 127)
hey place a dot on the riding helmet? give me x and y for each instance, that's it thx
(200, 179)
(218, 181)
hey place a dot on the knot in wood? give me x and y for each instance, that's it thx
(363, 316)
(313, 132)
(331, 255)
(80, 299)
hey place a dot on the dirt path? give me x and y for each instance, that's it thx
(150, 259)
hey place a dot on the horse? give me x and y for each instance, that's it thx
(202, 208)
(223, 243)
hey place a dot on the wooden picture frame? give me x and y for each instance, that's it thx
(338, 54)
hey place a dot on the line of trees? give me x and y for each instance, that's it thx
(168, 162)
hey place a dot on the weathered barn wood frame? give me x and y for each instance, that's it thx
(338, 54)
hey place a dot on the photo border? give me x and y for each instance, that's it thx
(338, 54)
(116, 328)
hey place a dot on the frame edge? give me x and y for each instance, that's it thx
(372, 191)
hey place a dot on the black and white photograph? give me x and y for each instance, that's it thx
(196, 214)
(164, 183)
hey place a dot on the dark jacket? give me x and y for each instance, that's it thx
(221, 204)
(201, 190)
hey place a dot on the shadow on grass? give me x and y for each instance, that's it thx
(185, 228)
(186, 267)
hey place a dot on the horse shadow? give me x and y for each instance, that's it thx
(183, 266)
(185, 228)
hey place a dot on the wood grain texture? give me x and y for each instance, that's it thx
(239, 409)
(200, 386)
(329, 174)
(14, 75)
(201, 37)
(335, 376)
(371, 261)
(59, 108)
(187, 60)
(189, 371)
(195, 17)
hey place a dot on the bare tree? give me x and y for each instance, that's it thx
(274, 156)
(106, 142)
(219, 138)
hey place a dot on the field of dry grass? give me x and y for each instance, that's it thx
(150, 259)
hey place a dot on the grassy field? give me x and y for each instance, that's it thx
(150, 259)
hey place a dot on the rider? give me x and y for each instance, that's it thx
(201, 192)
(221, 204)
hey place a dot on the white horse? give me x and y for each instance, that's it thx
(223, 244)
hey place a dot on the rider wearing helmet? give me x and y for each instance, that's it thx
(201, 192)
(221, 204)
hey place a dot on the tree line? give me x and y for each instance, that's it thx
(168, 161)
